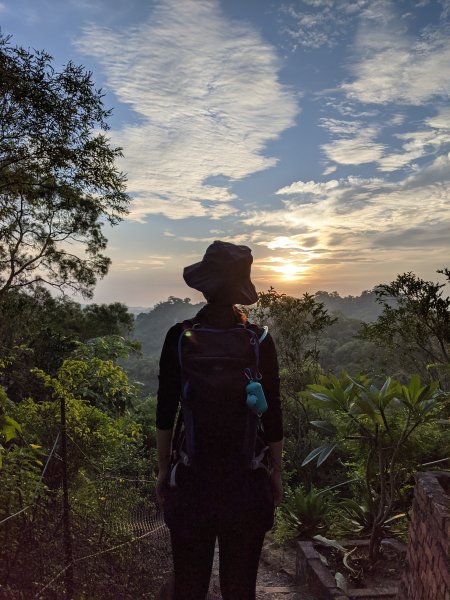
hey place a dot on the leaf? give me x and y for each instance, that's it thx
(12, 422)
(35, 446)
(341, 582)
(313, 454)
(325, 425)
(9, 432)
(323, 397)
(395, 517)
(345, 560)
(330, 543)
(325, 453)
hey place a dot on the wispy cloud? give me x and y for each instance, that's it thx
(318, 22)
(136, 264)
(395, 66)
(356, 149)
(207, 94)
(361, 220)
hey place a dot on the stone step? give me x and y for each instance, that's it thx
(271, 589)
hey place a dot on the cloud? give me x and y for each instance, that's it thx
(136, 264)
(362, 219)
(320, 22)
(356, 150)
(395, 66)
(432, 139)
(308, 188)
(208, 98)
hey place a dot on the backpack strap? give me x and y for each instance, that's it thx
(264, 334)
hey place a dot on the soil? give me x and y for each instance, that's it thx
(276, 576)
(363, 573)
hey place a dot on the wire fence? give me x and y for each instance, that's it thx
(120, 544)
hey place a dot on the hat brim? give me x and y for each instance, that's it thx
(228, 290)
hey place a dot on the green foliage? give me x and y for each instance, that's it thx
(9, 428)
(376, 424)
(302, 515)
(295, 324)
(99, 382)
(58, 174)
(144, 413)
(39, 331)
(20, 461)
(414, 325)
(97, 439)
(110, 347)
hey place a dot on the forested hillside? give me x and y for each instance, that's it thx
(339, 345)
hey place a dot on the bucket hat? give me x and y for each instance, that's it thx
(223, 275)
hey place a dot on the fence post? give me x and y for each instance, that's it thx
(68, 575)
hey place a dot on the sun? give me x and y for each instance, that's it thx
(290, 271)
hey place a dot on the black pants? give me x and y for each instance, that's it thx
(237, 513)
(193, 554)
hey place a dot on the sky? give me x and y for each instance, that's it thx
(317, 132)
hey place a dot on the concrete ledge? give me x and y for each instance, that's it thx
(311, 570)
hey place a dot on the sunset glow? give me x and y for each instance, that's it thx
(290, 271)
(316, 132)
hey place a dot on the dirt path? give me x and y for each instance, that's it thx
(275, 576)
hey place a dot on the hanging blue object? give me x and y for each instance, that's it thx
(256, 399)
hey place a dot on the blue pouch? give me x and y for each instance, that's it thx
(256, 400)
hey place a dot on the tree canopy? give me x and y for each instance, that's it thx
(59, 182)
(415, 322)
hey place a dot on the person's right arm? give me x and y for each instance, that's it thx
(167, 405)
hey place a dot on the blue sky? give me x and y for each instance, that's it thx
(315, 131)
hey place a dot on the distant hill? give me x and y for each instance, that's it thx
(362, 308)
(137, 310)
(150, 328)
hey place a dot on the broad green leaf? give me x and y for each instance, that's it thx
(323, 397)
(325, 425)
(12, 422)
(313, 454)
(325, 453)
(330, 543)
(9, 432)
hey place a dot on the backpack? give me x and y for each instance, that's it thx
(221, 433)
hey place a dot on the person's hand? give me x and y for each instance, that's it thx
(277, 487)
(161, 487)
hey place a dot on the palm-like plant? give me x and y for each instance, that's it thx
(381, 420)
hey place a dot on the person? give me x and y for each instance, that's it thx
(234, 506)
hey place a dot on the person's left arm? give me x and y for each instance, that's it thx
(272, 419)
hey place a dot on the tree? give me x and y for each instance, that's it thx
(296, 325)
(415, 322)
(38, 330)
(58, 179)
